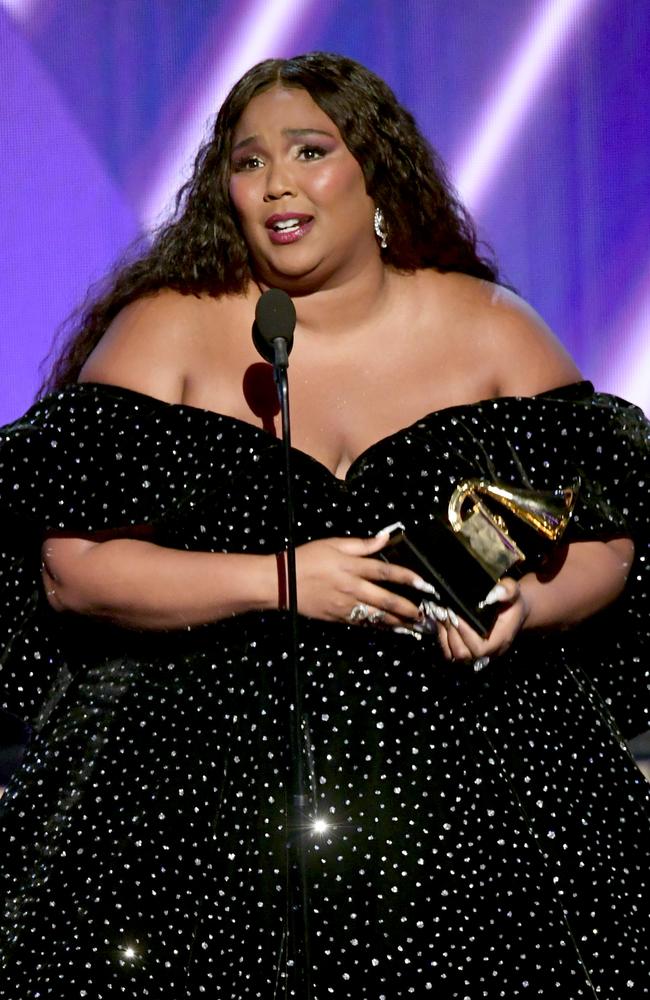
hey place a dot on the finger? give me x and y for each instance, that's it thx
(504, 592)
(433, 613)
(459, 650)
(377, 617)
(395, 622)
(360, 546)
(365, 614)
(498, 641)
(474, 643)
(505, 629)
(443, 639)
(376, 569)
(392, 604)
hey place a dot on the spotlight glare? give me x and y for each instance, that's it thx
(520, 85)
(20, 10)
(319, 826)
(625, 364)
(265, 29)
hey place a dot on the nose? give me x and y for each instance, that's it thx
(279, 182)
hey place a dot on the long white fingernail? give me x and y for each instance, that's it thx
(426, 588)
(390, 528)
(453, 618)
(498, 593)
(400, 630)
(435, 611)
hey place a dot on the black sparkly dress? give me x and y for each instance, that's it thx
(487, 833)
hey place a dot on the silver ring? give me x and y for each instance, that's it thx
(481, 663)
(376, 617)
(359, 613)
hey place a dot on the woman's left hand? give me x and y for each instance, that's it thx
(459, 641)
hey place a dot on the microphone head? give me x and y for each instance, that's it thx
(275, 317)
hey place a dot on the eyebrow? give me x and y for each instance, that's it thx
(292, 132)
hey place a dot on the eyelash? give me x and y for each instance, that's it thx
(245, 163)
(319, 150)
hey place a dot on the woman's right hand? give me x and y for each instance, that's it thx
(334, 575)
(138, 584)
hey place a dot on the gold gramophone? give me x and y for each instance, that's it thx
(485, 534)
(501, 529)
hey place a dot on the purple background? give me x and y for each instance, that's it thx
(102, 103)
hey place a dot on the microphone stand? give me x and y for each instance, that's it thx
(298, 806)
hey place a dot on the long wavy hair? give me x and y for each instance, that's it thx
(201, 250)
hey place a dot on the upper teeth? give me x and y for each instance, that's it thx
(286, 223)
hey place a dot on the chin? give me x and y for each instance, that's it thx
(300, 278)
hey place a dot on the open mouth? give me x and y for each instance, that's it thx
(286, 228)
(286, 225)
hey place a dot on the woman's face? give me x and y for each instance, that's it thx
(299, 193)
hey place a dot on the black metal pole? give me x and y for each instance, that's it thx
(298, 805)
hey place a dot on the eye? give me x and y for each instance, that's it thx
(250, 162)
(311, 152)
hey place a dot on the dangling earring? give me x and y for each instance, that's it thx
(380, 228)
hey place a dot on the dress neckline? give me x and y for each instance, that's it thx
(570, 391)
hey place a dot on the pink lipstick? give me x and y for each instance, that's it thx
(288, 226)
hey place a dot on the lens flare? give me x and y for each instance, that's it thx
(533, 60)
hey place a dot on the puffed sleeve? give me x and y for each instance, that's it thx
(90, 458)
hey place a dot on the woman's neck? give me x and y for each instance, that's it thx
(346, 307)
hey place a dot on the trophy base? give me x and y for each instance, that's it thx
(461, 583)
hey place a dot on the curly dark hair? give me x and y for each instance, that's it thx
(201, 248)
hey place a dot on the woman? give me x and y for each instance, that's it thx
(478, 830)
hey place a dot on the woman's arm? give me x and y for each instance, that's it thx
(139, 584)
(592, 575)
(142, 585)
(588, 577)
(525, 358)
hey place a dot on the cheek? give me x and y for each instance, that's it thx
(337, 181)
(240, 196)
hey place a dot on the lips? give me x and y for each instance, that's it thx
(288, 226)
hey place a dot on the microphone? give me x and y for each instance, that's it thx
(275, 321)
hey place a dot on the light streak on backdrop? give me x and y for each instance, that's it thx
(522, 82)
(20, 10)
(627, 373)
(265, 28)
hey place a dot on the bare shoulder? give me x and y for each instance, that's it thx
(145, 346)
(154, 344)
(528, 357)
(523, 353)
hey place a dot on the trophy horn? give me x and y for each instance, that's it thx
(547, 511)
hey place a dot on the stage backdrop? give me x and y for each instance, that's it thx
(539, 106)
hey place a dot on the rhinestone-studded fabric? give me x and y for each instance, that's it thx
(479, 834)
